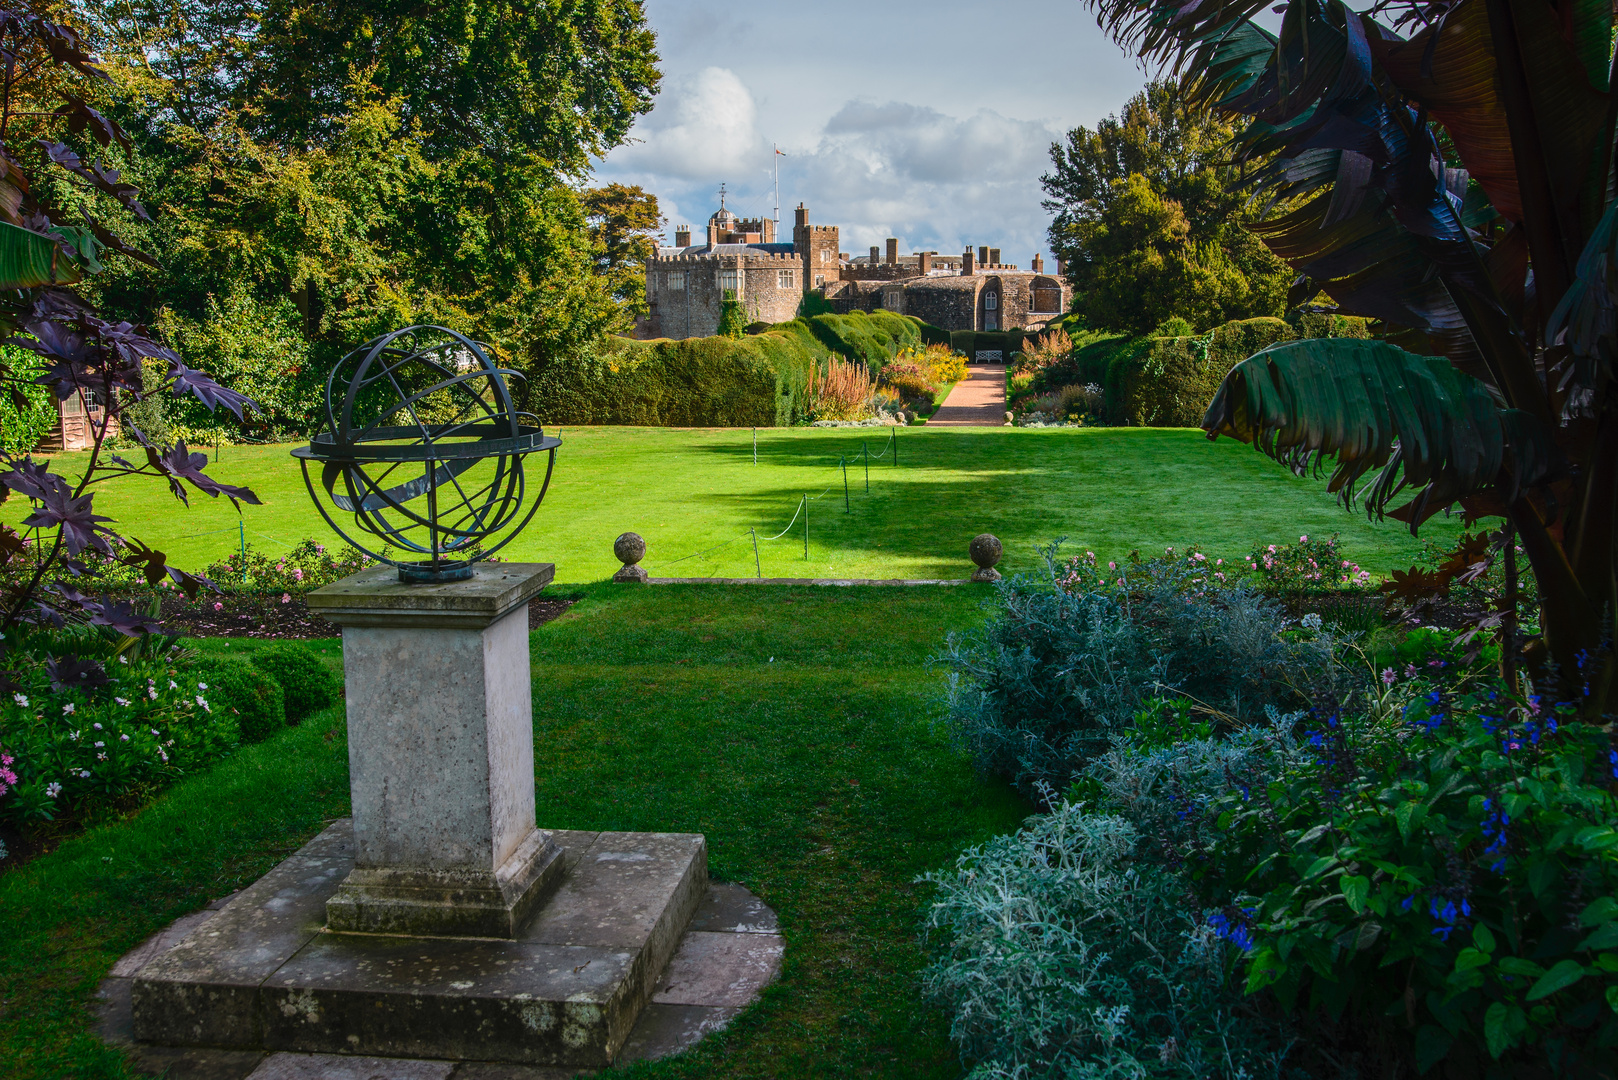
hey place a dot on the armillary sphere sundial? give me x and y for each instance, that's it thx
(422, 448)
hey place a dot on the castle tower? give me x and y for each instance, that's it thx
(816, 246)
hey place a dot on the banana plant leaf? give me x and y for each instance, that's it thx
(28, 260)
(1371, 405)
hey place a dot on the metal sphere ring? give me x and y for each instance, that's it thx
(420, 450)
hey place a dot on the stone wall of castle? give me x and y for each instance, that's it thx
(685, 293)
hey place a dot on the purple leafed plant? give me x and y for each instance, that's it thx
(100, 361)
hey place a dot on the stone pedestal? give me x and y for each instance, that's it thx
(440, 753)
(440, 923)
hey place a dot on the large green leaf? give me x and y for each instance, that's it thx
(1371, 405)
(28, 260)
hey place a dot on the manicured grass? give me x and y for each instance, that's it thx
(1111, 490)
(795, 727)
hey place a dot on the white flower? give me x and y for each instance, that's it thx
(123, 738)
(74, 735)
(122, 701)
(203, 703)
(101, 757)
(123, 660)
(173, 685)
(99, 745)
(67, 710)
(21, 699)
(154, 732)
(96, 726)
(202, 686)
(151, 692)
(53, 789)
(84, 774)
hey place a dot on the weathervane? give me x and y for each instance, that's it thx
(422, 449)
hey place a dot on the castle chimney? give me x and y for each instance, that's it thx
(983, 255)
(994, 256)
(926, 260)
(1039, 263)
(966, 262)
(893, 251)
(876, 256)
(682, 236)
(801, 215)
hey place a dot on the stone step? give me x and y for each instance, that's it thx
(265, 974)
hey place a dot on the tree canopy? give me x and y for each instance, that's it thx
(1149, 217)
(329, 172)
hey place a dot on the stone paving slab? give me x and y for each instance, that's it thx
(726, 970)
(331, 1067)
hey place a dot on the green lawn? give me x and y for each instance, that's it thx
(689, 490)
(795, 728)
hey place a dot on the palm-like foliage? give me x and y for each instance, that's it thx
(1446, 167)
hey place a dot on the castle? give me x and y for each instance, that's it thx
(687, 284)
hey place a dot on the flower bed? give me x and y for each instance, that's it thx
(1353, 853)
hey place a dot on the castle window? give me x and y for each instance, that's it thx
(893, 300)
(991, 301)
(783, 279)
(820, 279)
(991, 323)
(676, 280)
(730, 280)
(825, 255)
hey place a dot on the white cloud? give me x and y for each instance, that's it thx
(876, 169)
(703, 126)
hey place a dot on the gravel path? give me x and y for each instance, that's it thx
(979, 400)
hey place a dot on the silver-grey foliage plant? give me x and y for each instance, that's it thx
(1064, 956)
(1069, 657)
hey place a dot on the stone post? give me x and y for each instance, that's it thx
(440, 753)
(630, 549)
(985, 551)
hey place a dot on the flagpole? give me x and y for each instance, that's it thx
(775, 164)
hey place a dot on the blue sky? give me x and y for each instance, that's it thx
(929, 121)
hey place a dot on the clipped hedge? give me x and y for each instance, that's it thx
(1169, 381)
(753, 381)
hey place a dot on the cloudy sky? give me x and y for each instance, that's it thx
(929, 120)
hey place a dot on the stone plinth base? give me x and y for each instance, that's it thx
(265, 974)
(431, 902)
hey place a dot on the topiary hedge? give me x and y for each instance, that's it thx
(1169, 381)
(753, 381)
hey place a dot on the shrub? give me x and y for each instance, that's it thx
(842, 392)
(1064, 953)
(1307, 566)
(943, 364)
(907, 376)
(69, 747)
(756, 381)
(308, 565)
(307, 685)
(732, 317)
(23, 424)
(1070, 656)
(1043, 351)
(1169, 381)
(248, 693)
(1443, 853)
(1173, 326)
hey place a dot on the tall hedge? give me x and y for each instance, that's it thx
(1168, 382)
(753, 381)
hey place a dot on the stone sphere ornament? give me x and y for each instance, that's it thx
(985, 550)
(420, 454)
(629, 549)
